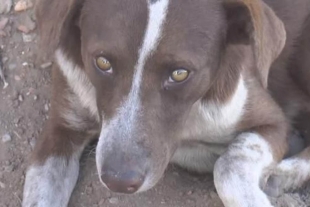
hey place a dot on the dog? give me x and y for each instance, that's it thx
(210, 85)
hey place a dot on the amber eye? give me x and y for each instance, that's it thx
(179, 75)
(103, 64)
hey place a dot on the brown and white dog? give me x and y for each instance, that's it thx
(211, 85)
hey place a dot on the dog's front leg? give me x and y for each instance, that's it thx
(238, 172)
(54, 168)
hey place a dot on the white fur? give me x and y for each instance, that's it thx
(79, 82)
(212, 123)
(125, 120)
(221, 118)
(292, 173)
(237, 173)
(52, 183)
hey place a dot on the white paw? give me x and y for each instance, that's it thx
(50, 184)
(289, 175)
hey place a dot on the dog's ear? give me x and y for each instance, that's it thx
(252, 22)
(55, 17)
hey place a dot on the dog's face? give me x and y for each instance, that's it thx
(149, 65)
(153, 63)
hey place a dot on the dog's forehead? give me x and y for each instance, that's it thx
(189, 25)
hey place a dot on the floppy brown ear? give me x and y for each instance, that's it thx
(253, 22)
(55, 17)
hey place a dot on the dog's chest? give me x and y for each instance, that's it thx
(210, 128)
(204, 141)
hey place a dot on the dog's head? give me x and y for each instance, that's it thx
(152, 62)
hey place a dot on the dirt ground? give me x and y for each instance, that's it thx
(24, 106)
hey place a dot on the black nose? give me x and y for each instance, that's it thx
(127, 182)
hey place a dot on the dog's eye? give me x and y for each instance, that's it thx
(179, 75)
(103, 64)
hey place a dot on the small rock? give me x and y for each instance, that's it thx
(23, 28)
(46, 107)
(17, 78)
(114, 200)
(2, 185)
(6, 138)
(28, 37)
(5, 6)
(46, 65)
(20, 98)
(23, 5)
(3, 23)
(26, 24)
(35, 97)
(32, 143)
(189, 192)
(16, 121)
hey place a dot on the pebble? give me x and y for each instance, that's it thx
(2, 185)
(35, 97)
(28, 37)
(46, 65)
(46, 107)
(114, 200)
(17, 78)
(32, 143)
(6, 138)
(189, 192)
(5, 6)
(3, 23)
(16, 120)
(26, 24)
(23, 5)
(20, 98)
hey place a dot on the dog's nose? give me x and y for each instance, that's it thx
(122, 182)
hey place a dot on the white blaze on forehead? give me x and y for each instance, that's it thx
(127, 113)
(125, 119)
(156, 19)
(157, 16)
